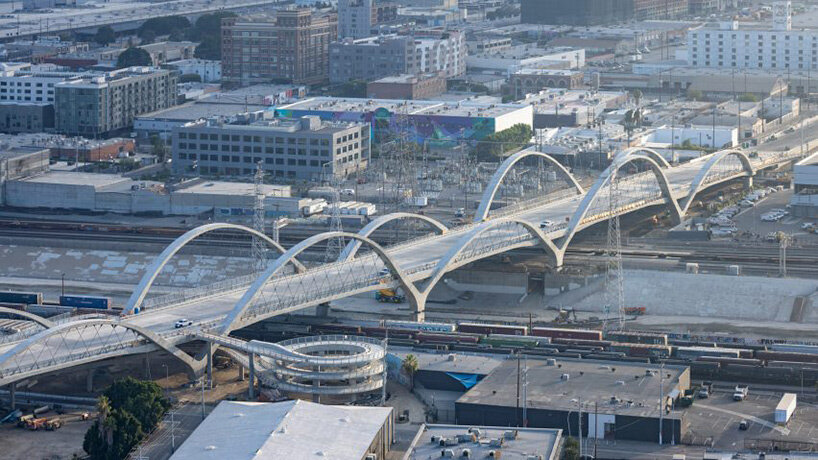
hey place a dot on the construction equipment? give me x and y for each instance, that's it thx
(635, 311)
(53, 424)
(565, 316)
(389, 295)
(35, 424)
(23, 421)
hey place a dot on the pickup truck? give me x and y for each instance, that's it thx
(740, 393)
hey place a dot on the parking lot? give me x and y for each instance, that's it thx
(715, 421)
(750, 223)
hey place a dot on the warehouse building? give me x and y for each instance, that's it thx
(427, 120)
(618, 400)
(307, 148)
(486, 442)
(290, 430)
(17, 162)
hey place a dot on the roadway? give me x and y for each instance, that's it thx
(417, 259)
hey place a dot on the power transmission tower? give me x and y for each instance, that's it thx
(259, 248)
(334, 245)
(614, 290)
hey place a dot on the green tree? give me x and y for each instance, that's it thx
(165, 25)
(105, 35)
(748, 97)
(637, 96)
(570, 449)
(410, 366)
(133, 56)
(127, 410)
(694, 95)
(159, 148)
(494, 146)
(209, 48)
(632, 120)
(208, 32)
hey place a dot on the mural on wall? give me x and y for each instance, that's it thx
(434, 129)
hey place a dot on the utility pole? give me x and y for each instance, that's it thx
(525, 391)
(596, 426)
(614, 289)
(203, 405)
(783, 244)
(579, 423)
(661, 401)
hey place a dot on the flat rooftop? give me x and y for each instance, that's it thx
(234, 188)
(287, 430)
(79, 178)
(591, 381)
(18, 151)
(440, 108)
(529, 441)
(201, 109)
(468, 364)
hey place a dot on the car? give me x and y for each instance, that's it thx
(743, 425)
(746, 204)
(348, 192)
(184, 322)
(783, 212)
(546, 224)
(461, 212)
(807, 226)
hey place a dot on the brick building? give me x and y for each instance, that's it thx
(423, 86)
(293, 47)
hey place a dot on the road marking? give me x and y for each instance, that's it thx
(784, 431)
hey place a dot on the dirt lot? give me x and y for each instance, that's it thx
(19, 443)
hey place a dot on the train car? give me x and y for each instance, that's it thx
(786, 356)
(696, 352)
(419, 326)
(512, 341)
(726, 361)
(605, 355)
(28, 298)
(402, 342)
(433, 337)
(642, 349)
(544, 351)
(794, 348)
(566, 333)
(381, 332)
(647, 338)
(329, 329)
(479, 328)
(86, 301)
(581, 342)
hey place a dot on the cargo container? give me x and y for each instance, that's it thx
(642, 349)
(648, 338)
(731, 361)
(581, 342)
(565, 333)
(785, 408)
(418, 326)
(786, 356)
(512, 341)
(695, 352)
(28, 298)
(794, 348)
(479, 328)
(432, 337)
(85, 301)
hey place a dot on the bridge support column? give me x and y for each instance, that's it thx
(322, 311)
(251, 389)
(748, 182)
(13, 395)
(146, 367)
(210, 364)
(89, 381)
(418, 309)
(241, 373)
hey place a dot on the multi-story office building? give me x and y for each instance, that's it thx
(387, 55)
(296, 148)
(779, 49)
(357, 17)
(294, 46)
(100, 105)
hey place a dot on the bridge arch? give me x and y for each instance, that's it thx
(352, 247)
(494, 184)
(448, 261)
(233, 318)
(29, 316)
(50, 362)
(650, 153)
(152, 271)
(605, 178)
(698, 182)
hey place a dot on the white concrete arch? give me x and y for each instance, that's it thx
(232, 319)
(151, 272)
(494, 184)
(46, 364)
(29, 316)
(447, 262)
(604, 179)
(352, 248)
(652, 154)
(698, 182)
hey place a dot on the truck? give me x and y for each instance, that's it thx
(785, 408)
(705, 390)
(389, 296)
(740, 393)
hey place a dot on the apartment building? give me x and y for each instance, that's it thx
(292, 47)
(773, 49)
(296, 148)
(387, 55)
(100, 105)
(356, 18)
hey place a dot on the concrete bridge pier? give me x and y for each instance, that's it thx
(417, 308)
(13, 395)
(210, 364)
(241, 373)
(322, 310)
(748, 183)
(251, 388)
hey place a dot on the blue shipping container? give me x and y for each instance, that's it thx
(85, 301)
(29, 298)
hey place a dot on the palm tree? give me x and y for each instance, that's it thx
(410, 365)
(632, 120)
(637, 96)
(106, 423)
